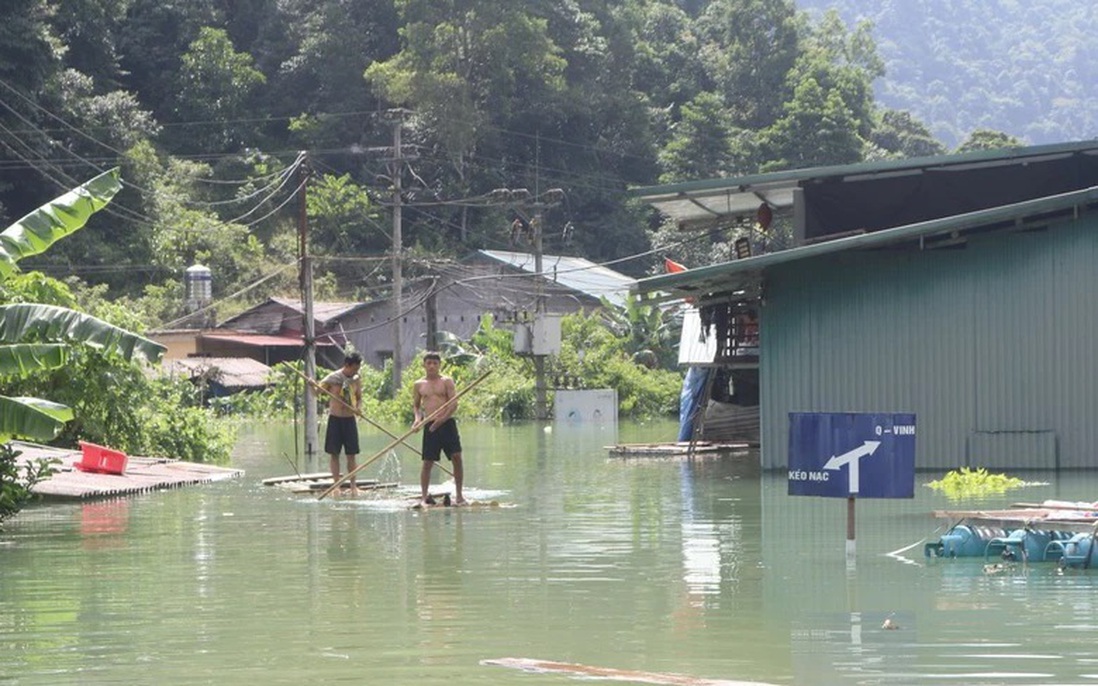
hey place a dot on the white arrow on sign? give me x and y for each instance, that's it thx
(851, 458)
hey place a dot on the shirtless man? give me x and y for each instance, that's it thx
(345, 388)
(441, 435)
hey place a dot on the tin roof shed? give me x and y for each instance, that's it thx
(978, 321)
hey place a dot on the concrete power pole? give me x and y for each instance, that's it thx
(551, 197)
(541, 401)
(396, 171)
(308, 323)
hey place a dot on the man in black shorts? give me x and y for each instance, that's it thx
(435, 393)
(345, 388)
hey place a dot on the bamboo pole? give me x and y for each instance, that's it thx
(390, 434)
(359, 414)
(406, 434)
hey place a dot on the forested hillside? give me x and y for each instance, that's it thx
(218, 110)
(1028, 68)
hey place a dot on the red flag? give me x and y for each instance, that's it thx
(672, 266)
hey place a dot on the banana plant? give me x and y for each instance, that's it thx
(36, 338)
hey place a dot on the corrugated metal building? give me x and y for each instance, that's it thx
(976, 315)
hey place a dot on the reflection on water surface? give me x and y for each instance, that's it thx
(656, 565)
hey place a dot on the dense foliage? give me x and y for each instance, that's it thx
(16, 483)
(114, 401)
(66, 373)
(1027, 68)
(207, 105)
(602, 350)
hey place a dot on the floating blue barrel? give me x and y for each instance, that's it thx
(1077, 551)
(1026, 545)
(962, 541)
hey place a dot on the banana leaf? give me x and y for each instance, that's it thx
(31, 418)
(40, 229)
(24, 359)
(26, 323)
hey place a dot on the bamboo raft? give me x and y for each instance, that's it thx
(681, 448)
(315, 482)
(142, 474)
(1056, 531)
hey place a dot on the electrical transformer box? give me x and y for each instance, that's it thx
(540, 336)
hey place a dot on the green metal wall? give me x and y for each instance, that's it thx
(993, 346)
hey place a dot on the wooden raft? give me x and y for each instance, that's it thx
(674, 449)
(319, 481)
(143, 474)
(1056, 515)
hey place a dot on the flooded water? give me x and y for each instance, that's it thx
(668, 567)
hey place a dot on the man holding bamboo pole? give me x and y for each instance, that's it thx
(344, 388)
(430, 394)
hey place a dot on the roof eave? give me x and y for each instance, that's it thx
(738, 273)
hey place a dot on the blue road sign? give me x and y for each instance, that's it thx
(842, 454)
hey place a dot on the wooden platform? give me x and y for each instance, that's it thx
(315, 482)
(675, 449)
(142, 474)
(1049, 515)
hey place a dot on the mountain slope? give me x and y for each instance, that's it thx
(1029, 69)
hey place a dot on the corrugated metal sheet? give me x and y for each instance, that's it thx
(1013, 449)
(575, 273)
(262, 340)
(995, 341)
(230, 372)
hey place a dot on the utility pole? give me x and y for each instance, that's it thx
(541, 401)
(535, 222)
(308, 323)
(396, 171)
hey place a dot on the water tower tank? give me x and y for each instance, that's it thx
(199, 286)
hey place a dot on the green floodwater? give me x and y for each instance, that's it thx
(702, 568)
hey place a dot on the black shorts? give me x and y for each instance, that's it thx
(342, 434)
(443, 439)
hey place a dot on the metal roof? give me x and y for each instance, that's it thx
(576, 273)
(230, 372)
(744, 275)
(700, 203)
(323, 312)
(259, 340)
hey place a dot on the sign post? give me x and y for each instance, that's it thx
(876, 450)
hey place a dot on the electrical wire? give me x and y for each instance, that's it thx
(69, 127)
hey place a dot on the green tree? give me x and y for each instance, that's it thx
(215, 84)
(818, 129)
(151, 47)
(830, 114)
(748, 49)
(700, 145)
(899, 134)
(314, 54)
(461, 64)
(987, 139)
(30, 56)
(89, 30)
(342, 218)
(666, 52)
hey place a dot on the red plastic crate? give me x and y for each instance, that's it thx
(101, 460)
